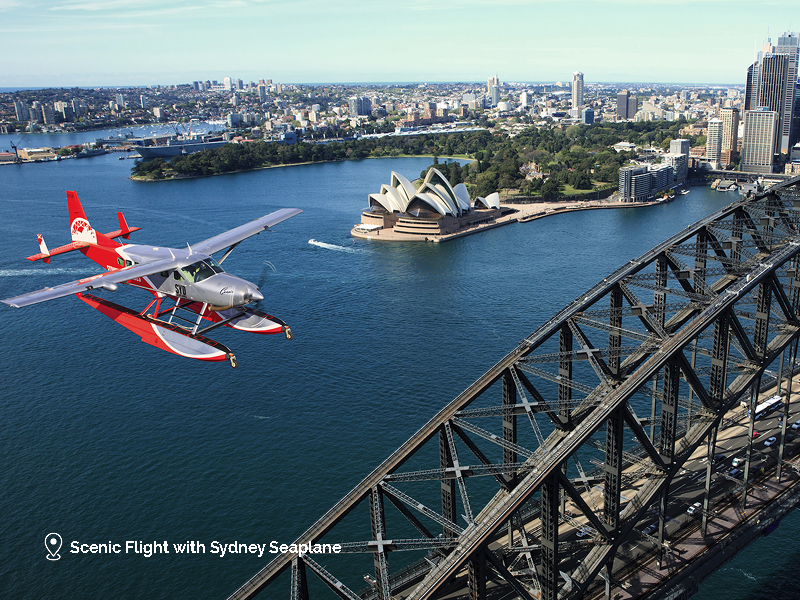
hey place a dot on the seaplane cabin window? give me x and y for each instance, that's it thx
(120, 262)
(177, 275)
(201, 270)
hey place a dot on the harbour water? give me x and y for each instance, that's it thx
(105, 439)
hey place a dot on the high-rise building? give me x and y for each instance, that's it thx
(359, 105)
(730, 128)
(679, 146)
(622, 104)
(21, 110)
(771, 84)
(262, 93)
(143, 102)
(714, 142)
(577, 89)
(491, 82)
(680, 165)
(758, 141)
(228, 84)
(120, 100)
(633, 106)
(524, 99)
(587, 116)
(495, 95)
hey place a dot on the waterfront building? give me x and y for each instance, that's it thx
(634, 184)
(577, 89)
(680, 165)
(434, 208)
(640, 183)
(714, 142)
(758, 141)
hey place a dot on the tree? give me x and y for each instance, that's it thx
(551, 189)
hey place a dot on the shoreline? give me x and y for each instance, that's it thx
(297, 164)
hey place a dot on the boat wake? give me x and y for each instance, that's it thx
(332, 246)
(37, 272)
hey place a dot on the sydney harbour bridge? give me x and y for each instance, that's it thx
(615, 452)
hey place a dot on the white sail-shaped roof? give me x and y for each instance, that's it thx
(428, 189)
(491, 201)
(399, 202)
(463, 196)
(403, 186)
(436, 202)
(435, 193)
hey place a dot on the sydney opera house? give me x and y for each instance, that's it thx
(402, 212)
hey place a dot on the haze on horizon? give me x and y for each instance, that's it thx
(65, 43)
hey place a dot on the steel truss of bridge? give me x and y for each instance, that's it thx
(478, 497)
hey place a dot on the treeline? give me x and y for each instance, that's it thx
(579, 157)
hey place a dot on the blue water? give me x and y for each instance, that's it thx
(107, 439)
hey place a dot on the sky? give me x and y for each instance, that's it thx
(64, 43)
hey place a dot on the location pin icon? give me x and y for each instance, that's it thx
(52, 542)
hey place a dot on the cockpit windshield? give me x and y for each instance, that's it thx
(202, 269)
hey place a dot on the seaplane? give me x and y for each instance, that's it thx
(197, 294)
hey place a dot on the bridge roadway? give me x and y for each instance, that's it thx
(561, 445)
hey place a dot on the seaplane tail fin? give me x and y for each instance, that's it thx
(80, 228)
(123, 227)
(43, 248)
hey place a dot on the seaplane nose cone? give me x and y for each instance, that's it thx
(253, 294)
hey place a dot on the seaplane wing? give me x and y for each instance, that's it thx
(107, 281)
(236, 235)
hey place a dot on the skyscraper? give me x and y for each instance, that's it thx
(490, 82)
(622, 104)
(577, 89)
(758, 141)
(771, 82)
(714, 142)
(730, 128)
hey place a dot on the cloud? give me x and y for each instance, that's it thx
(6, 5)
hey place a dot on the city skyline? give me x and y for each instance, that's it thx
(144, 42)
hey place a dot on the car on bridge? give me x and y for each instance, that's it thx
(694, 508)
(770, 441)
(737, 461)
(756, 434)
(796, 425)
(736, 473)
(649, 529)
(717, 458)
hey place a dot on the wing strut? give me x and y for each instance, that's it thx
(227, 252)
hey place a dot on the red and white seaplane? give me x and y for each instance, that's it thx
(203, 293)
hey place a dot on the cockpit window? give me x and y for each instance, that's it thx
(201, 270)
